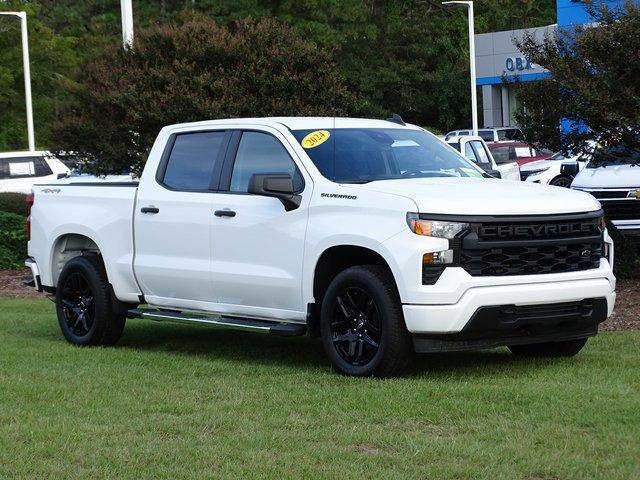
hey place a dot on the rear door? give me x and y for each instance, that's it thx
(174, 217)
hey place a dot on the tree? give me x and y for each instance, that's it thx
(593, 86)
(193, 70)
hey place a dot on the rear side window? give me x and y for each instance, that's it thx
(486, 135)
(469, 153)
(193, 161)
(509, 134)
(23, 167)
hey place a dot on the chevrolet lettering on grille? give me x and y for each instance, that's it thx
(537, 231)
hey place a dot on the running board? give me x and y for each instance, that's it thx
(247, 324)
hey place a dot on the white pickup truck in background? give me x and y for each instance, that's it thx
(615, 182)
(475, 150)
(371, 234)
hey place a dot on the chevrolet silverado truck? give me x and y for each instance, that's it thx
(371, 234)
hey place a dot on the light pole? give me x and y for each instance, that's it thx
(472, 61)
(27, 76)
(127, 23)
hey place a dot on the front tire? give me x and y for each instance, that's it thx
(561, 181)
(362, 325)
(567, 348)
(83, 304)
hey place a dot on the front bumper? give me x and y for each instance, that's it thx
(452, 318)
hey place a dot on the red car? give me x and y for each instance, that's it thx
(507, 152)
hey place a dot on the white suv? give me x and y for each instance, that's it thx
(20, 170)
(490, 134)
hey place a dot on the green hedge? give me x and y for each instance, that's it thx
(13, 202)
(13, 240)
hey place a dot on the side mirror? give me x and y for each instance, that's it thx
(276, 185)
(569, 169)
(492, 174)
(62, 175)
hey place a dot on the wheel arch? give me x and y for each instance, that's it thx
(333, 260)
(67, 246)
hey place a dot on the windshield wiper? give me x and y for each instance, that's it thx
(356, 182)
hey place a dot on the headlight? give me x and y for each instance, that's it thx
(535, 172)
(434, 228)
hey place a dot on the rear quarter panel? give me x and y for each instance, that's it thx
(102, 213)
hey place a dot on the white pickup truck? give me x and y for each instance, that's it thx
(372, 234)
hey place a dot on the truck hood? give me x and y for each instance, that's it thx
(476, 196)
(612, 176)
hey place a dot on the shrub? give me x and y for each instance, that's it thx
(188, 71)
(13, 240)
(626, 260)
(13, 203)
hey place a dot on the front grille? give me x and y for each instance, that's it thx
(531, 260)
(621, 209)
(609, 193)
(531, 246)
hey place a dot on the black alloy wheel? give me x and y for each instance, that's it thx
(85, 305)
(356, 327)
(78, 304)
(362, 324)
(564, 182)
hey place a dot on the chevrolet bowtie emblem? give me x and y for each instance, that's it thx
(635, 194)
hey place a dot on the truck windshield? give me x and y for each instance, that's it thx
(362, 155)
(614, 155)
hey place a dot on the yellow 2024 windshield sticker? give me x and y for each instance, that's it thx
(315, 138)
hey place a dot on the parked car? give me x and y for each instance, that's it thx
(475, 150)
(613, 177)
(490, 134)
(519, 152)
(20, 170)
(549, 172)
(371, 234)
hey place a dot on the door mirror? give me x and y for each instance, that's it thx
(276, 185)
(569, 169)
(492, 174)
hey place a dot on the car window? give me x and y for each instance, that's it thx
(501, 154)
(261, 153)
(193, 160)
(24, 167)
(509, 134)
(486, 135)
(455, 145)
(481, 153)
(522, 152)
(469, 153)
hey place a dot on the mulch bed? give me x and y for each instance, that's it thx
(625, 317)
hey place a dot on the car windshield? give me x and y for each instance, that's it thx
(361, 155)
(614, 155)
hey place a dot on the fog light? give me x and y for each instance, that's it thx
(438, 258)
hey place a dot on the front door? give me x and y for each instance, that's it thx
(174, 217)
(258, 246)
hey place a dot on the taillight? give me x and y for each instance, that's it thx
(29, 201)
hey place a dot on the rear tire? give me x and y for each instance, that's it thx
(83, 304)
(362, 325)
(567, 348)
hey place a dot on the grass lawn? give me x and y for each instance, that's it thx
(190, 402)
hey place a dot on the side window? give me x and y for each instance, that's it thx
(24, 167)
(261, 153)
(481, 153)
(469, 153)
(486, 135)
(501, 155)
(193, 160)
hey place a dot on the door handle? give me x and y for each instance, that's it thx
(224, 213)
(150, 210)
